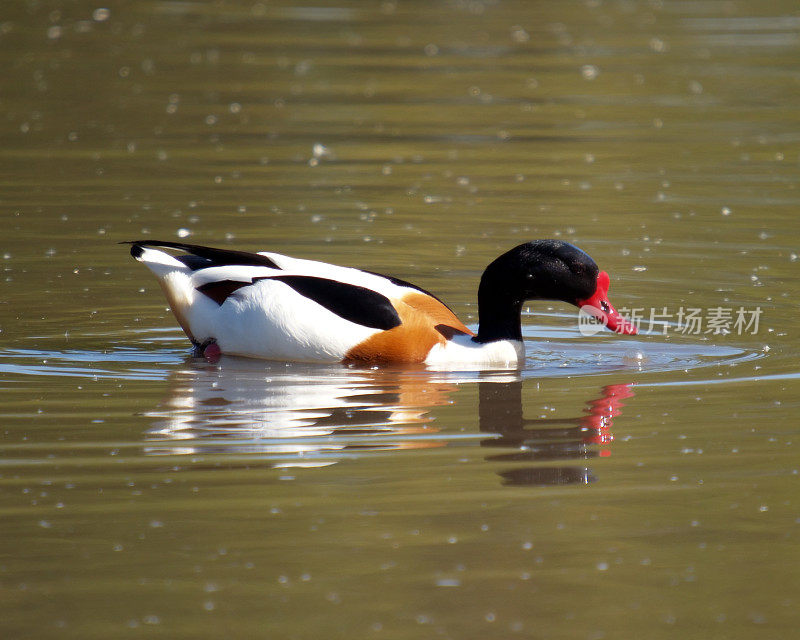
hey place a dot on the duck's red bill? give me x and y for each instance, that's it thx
(599, 307)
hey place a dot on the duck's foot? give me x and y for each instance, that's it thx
(209, 350)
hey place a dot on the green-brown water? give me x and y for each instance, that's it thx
(618, 487)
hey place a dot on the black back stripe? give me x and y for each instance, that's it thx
(357, 304)
(213, 257)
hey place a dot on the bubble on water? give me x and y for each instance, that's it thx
(589, 71)
(634, 357)
(101, 14)
(448, 582)
(183, 233)
(319, 150)
(518, 34)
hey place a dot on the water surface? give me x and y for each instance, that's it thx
(614, 487)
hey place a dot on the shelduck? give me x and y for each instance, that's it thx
(267, 305)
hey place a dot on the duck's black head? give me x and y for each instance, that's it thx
(542, 270)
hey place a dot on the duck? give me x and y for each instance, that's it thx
(276, 307)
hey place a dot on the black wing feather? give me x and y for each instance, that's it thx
(211, 256)
(349, 301)
(353, 303)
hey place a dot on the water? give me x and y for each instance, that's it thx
(617, 486)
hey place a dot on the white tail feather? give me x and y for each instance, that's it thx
(175, 280)
(161, 263)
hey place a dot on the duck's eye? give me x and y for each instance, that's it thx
(605, 306)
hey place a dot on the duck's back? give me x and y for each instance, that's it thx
(272, 306)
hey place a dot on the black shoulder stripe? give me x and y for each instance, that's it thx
(220, 290)
(357, 304)
(214, 257)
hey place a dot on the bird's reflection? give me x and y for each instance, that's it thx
(308, 416)
(546, 439)
(297, 415)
